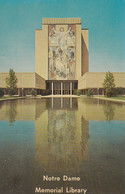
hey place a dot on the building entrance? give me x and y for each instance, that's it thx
(66, 91)
(62, 87)
(56, 91)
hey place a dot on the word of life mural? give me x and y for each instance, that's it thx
(62, 52)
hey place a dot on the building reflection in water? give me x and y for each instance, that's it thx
(61, 128)
(56, 142)
(62, 136)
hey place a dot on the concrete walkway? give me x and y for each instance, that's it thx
(60, 96)
(39, 97)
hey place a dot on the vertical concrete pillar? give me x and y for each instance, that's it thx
(70, 88)
(4, 91)
(22, 91)
(61, 88)
(18, 91)
(52, 102)
(78, 52)
(52, 88)
(61, 102)
(70, 102)
(98, 91)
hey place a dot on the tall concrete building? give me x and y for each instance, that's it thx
(61, 53)
(62, 61)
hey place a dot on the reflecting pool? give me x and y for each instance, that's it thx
(62, 136)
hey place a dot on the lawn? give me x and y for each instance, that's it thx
(6, 97)
(117, 97)
(9, 97)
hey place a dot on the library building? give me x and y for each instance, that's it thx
(62, 62)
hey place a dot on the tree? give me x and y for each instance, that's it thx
(11, 82)
(109, 84)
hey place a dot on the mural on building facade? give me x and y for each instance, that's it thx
(62, 52)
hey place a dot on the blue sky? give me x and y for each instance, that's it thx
(105, 20)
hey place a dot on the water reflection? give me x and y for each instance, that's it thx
(61, 136)
(1, 103)
(32, 109)
(62, 103)
(11, 112)
(109, 111)
(84, 137)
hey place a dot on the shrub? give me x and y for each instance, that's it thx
(90, 92)
(33, 92)
(1, 92)
(119, 91)
(78, 92)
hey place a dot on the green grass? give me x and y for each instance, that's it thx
(9, 97)
(6, 97)
(117, 97)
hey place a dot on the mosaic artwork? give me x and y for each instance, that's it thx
(62, 52)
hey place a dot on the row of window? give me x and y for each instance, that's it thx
(65, 85)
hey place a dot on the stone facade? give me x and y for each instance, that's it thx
(95, 80)
(26, 82)
(58, 49)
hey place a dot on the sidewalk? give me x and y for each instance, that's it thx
(39, 97)
(60, 96)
